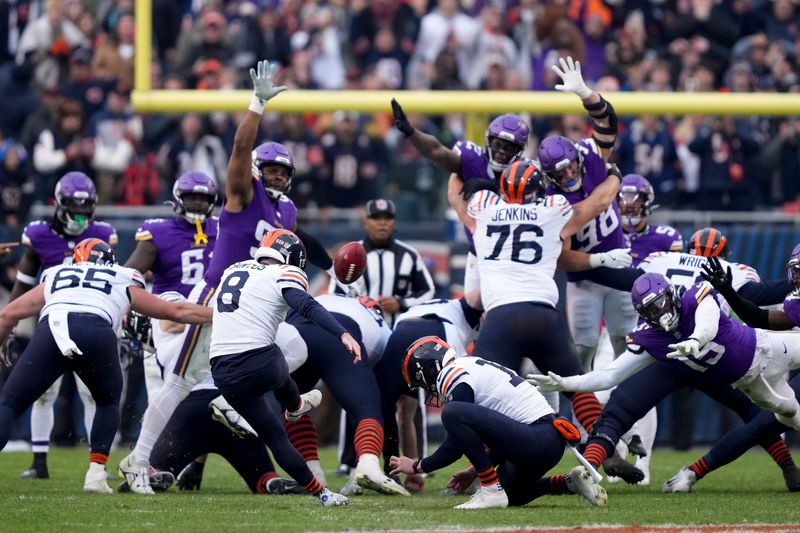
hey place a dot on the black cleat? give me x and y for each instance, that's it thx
(280, 485)
(191, 476)
(616, 466)
(35, 472)
(791, 475)
(636, 447)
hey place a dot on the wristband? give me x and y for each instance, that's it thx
(256, 105)
(26, 279)
(415, 465)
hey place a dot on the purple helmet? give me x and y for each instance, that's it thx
(635, 199)
(794, 267)
(273, 154)
(656, 301)
(509, 128)
(561, 162)
(76, 198)
(195, 208)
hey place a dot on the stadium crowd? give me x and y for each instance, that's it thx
(67, 70)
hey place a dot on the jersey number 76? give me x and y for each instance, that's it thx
(518, 245)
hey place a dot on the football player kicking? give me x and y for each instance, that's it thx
(488, 406)
(254, 204)
(254, 297)
(354, 387)
(691, 330)
(80, 308)
(764, 425)
(50, 243)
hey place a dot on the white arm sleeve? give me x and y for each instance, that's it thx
(618, 371)
(706, 321)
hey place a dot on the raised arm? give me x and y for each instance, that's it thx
(239, 189)
(601, 111)
(427, 145)
(26, 274)
(574, 261)
(184, 312)
(454, 195)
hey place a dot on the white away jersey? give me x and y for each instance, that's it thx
(449, 312)
(292, 345)
(374, 331)
(248, 305)
(90, 288)
(684, 270)
(495, 387)
(517, 247)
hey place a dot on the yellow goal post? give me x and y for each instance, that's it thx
(475, 104)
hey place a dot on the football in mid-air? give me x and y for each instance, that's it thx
(350, 261)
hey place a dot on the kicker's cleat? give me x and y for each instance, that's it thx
(680, 482)
(486, 498)
(222, 412)
(616, 466)
(368, 475)
(329, 498)
(308, 401)
(160, 481)
(351, 488)
(191, 476)
(35, 472)
(96, 480)
(281, 485)
(135, 475)
(791, 475)
(579, 481)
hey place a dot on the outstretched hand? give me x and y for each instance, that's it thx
(571, 78)
(718, 277)
(400, 119)
(262, 77)
(552, 382)
(352, 346)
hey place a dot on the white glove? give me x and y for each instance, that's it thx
(549, 383)
(617, 258)
(684, 349)
(571, 78)
(262, 81)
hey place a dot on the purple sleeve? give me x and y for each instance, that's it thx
(306, 305)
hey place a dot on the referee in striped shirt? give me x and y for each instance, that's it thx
(395, 276)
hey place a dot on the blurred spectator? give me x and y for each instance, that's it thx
(192, 149)
(114, 58)
(322, 38)
(16, 184)
(444, 27)
(40, 119)
(82, 86)
(211, 42)
(349, 174)
(780, 20)
(383, 29)
(63, 147)
(305, 147)
(492, 48)
(113, 149)
(140, 184)
(780, 158)
(18, 101)
(263, 36)
(387, 57)
(647, 148)
(52, 34)
(723, 149)
(209, 75)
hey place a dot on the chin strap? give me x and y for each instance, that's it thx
(201, 238)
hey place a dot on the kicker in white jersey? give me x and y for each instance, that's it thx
(101, 290)
(520, 242)
(249, 305)
(495, 387)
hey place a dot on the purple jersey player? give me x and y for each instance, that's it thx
(254, 205)
(691, 330)
(50, 243)
(635, 199)
(177, 250)
(505, 140)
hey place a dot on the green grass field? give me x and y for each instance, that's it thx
(749, 491)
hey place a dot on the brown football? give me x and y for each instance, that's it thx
(350, 262)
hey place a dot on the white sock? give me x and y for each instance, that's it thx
(158, 413)
(316, 469)
(494, 487)
(42, 419)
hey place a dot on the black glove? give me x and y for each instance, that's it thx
(613, 170)
(401, 120)
(139, 328)
(717, 277)
(12, 348)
